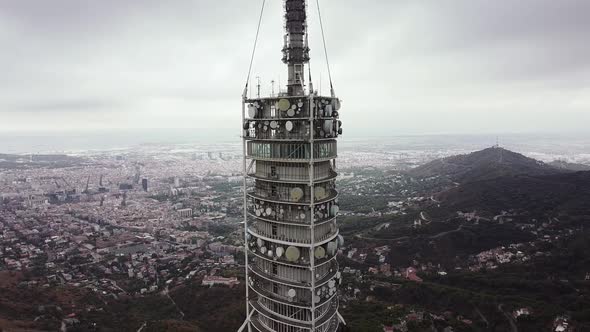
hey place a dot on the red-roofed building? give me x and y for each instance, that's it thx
(410, 274)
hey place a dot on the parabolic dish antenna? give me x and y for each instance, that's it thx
(320, 252)
(296, 194)
(283, 104)
(289, 125)
(336, 104)
(251, 111)
(292, 254)
(280, 251)
(334, 210)
(320, 193)
(292, 293)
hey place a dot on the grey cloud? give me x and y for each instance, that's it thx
(184, 61)
(79, 105)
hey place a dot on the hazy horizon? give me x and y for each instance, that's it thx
(24, 142)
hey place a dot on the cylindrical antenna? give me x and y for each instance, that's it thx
(258, 86)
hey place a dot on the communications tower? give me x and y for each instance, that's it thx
(290, 198)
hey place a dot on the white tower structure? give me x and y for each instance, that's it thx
(290, 198)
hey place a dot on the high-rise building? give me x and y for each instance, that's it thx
(290, 198)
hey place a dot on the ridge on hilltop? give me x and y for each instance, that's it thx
(486, 164)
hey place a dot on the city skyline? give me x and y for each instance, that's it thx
(475, 67)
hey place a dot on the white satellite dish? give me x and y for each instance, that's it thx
(283, 104)
(280, 251)
(296, 194)
(290, 113)
(320, 252)
(263, 250)
(292, 254)
(289, 125)
(252, 111)
(331, 283)
(334, 210)
(300, 104)
(292, 293)
(270, 253)
(268, 211)
(274, 125)
(336, 104)
(320, 193)
(260, 243)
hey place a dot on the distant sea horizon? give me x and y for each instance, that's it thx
(72, 142)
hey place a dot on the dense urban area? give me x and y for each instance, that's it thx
(150, 239)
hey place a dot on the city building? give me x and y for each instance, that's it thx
(217, 280)
(290, 198)
(185, 213)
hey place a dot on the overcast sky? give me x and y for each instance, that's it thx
(463, 66)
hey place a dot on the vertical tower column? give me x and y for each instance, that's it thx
(290, 199)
